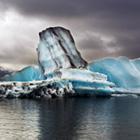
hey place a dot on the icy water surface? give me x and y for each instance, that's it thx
(115, 118)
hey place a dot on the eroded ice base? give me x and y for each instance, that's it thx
(64, 82)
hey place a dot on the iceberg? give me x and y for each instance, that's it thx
(123, 72)
(35, 89)
(62, 71)
(59, 84)
(57, 50)
(84, 82)
(59, 59)
(30, 73)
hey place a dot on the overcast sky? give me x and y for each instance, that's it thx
(100, 27)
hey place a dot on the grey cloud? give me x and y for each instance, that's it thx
(95, 47)
(131, 46)
(116, 18)
(75, 7)
(18, 55)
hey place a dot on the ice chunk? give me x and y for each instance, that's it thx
(57, 50)
(84, 81)
(70, 82)
(29, 73)
(35, 89)
(77, 74)
(62, 71)
(125, 73)
(136, 62)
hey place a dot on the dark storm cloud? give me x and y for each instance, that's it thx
(75, 7)
(117, 19)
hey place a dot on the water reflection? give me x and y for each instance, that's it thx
(19, 120)
(126, 118)
(70, 119)
(73, 119)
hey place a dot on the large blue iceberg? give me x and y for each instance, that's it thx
(30, 73)
(62, 71)
(121, 71)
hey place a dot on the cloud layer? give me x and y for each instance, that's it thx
(100, 28)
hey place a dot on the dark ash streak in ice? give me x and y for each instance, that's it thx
(57, 50)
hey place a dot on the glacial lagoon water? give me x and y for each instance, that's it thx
(115, 118)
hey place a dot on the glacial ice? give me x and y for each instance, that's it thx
(59, 59)
(30, 73)
(123, 72)
(57, 50)
(63, 72)
(59, 85)
(84, 81)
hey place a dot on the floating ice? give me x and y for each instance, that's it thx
(30, 73)
(58, 86)
(63, 72)
(124, 73)
(84, 81)
(57, 50)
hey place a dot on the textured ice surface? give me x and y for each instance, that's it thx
(63, 82)
(123, 72)
(84, 81)
(77, 74)
(35, 89)
(30, 73)
(57, 50)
